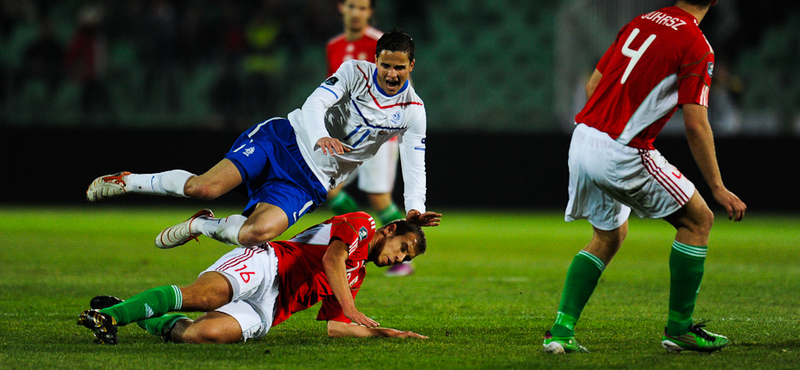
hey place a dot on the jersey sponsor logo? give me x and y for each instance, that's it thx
(247, 152)
(710, 69)
(331, 81)
(362, 233)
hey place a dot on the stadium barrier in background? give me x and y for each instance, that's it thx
(53, 167)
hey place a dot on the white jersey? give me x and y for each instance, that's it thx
(351, 107)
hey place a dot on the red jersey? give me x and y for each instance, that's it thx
(658, 61)
(339, 50)
(302, 278)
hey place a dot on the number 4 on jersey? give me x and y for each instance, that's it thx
(635, 55)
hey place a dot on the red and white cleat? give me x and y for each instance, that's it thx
(107, 186)
(181, 233)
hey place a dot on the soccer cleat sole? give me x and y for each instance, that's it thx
(180, 234)
(104, 332)
(671, 347)
(107, 186)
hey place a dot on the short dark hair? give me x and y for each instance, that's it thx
(698, 2)
(371, 3)
(403, 227)
(396, 40)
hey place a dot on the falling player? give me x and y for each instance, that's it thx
(289, 165)
(376, 176)
(658, 62)
(251, 289)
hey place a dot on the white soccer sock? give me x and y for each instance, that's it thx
(225, 230)
(162, 183)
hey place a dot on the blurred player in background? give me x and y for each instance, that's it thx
(659, 61)
(251, 289)
(376, 176)
(289, 165)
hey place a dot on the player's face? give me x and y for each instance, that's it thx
(394, 249)
(356, 14)
(393, 70)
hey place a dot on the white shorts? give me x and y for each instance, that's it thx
(608, 179)
(253, 274)
(377, 175)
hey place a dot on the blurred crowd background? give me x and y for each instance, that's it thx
(482, 66)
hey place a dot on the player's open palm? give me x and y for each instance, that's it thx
(424, 219)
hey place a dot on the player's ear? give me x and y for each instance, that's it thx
(390, 229)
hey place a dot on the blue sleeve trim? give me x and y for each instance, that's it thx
(332, 92)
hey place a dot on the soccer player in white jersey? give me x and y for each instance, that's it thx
(376, 176)
(659, 61)
(289, 165)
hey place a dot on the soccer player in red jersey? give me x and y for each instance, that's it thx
(659, 62)
(251, 289)
(376, 176)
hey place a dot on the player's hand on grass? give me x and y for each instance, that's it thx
(359, 318)
(330, 146)
(424, 219)
(733, 205)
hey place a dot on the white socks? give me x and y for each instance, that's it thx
(225, 230)
(162, 183)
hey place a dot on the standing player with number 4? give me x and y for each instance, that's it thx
(659, 61)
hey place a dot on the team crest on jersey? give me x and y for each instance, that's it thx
(396, 116)
(331, 81)
(362, 233)
(710, 69)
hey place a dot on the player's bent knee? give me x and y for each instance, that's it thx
(200, 333)
(254, 234)
(200, 190)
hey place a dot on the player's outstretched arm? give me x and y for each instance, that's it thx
(338, 329)
(333, 262)
(423, 219)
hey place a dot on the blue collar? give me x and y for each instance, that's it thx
(380, 90)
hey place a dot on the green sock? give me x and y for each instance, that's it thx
(161, 325)
(686, 272)
(390, 214)
(343, 203)
(150, 303)
(582, 277)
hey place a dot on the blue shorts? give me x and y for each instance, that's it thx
(273, 170)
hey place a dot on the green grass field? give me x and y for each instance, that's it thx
(484, 293)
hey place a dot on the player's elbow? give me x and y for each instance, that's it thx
(336, 329)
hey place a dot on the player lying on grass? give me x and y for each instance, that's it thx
(251, 289)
